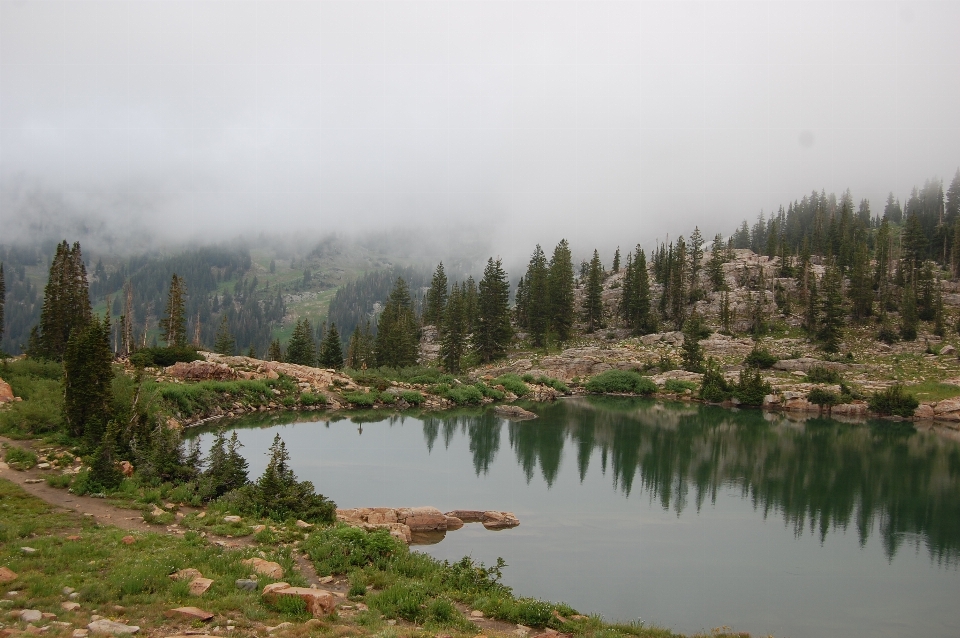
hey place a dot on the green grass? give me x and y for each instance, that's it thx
(512, 383)
(20, 459)
(934, 390)
(38, 385)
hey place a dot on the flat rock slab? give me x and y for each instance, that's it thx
(264, 567)
(514, 413)
(192, 613)
(186, 574)
(70, 606)
(246, 584)
(103, 626)
(320, 602)
(31, 615)
(199, 585)
(7, 575)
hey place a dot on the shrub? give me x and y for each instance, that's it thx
(163, 357)
(822, 397)
(513, 383)
(387, 397)
(20, 459)
(309, 398)
(488, 392)
(412, 397)
(37, 383)
(822, 374)
(893, 401)
(556, 384)
(61, 481)
(621, 381)
(361, 399)
(760, 358)
(751, 388)
(465, 395)
(714, 388)
(679, 387)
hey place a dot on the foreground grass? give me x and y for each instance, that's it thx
(407, 593)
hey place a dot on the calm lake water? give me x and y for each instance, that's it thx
(687, 516)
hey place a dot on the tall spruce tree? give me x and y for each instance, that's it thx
(225, 343)
(360, 348)
(593, 299)
(560, 288)
(87, 379)
(492, 334)
(174, 323)
(861, 289)
(398, 338)
(616, 261)
(691, 351)
(469, 291)
(302, 349)
(275, 352)
(696, 263)
(331, 350)
(536, 298)
(66, 304)
(453, 331)
(909, 319)
(715, 266)
(832, 314)
(436, 299)
(678, 284)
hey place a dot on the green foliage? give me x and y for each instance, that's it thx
(310, 399)
(436, 301)
(164, 356)
(225, 344)
(331, 350)
(822, 397)
(593, 298)
(550, 382)
(66, 304)
(88, 374)
(301, 349)
(174, 324)
(20, 459)
(492, 332)
(488, 392)
(759, 358)
(190, 399)
(38, 384)
(334, 550)
(453, 330)
(411, 396)
(679, 387)
(751, 388)
(560, 291)
(625, 381)
(823, 374)
(464, 395)
(362, 399)
(226, 468)
(893, 401)
(714, 387)
(512, 383)
(398, 338)
(691, 351)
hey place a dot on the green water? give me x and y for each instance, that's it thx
(686, 516)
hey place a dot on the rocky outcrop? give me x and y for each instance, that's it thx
(6, 392)
(804, 364)
(490, 519)
(264, 567)
(201, 371)
(403, 522)
(320, 602)
(514, 413)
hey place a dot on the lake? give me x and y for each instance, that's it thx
(682, 515)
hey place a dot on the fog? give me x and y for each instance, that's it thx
(514, 122)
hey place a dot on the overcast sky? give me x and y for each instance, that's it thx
(606, 123)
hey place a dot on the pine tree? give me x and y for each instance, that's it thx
(66, 304)
(831, 321)
(331, 350)
(174, 324)
(560, 288)
(493, 332)
(301, 349)
(225, 343)
(696, 262)
(642, 319)
(938, 318)
(726, 316)
(398, 339)
(616, 260)
(470, 303)
(678, 284)
(861, 290)
(715, 266)
(593, 300)
(226, 467)
(105, 475)
(811, 317)
(691, 351)
(453, 331)
(537, 309)
(909, 320)
(275, 353)
(87, 379)
(925, 292)
(436, 298)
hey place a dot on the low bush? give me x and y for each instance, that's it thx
(387, 397)
(465, 395)
(163, 357)
(310, 399)
(621, 381)
(60, 481)
(40, 409)
(822, 397)
(823, 374)
(361, 399)
(197, 398)
(751, 388)
(488, 392)
(556, 384)
(679, 387)
(893, 401)
(20, 459)
(714, 387)
(512, 383)
(760, 358)
(412, 397)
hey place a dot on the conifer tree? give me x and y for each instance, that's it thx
(861, 290)
(275, 353)
(641, 320)
(715, 266)
(301, 349)
(696, 262)
(520, 304)
(953, 199)
(627, 294)
(398, 339)
(938, 317)
(226, 467)
(726, 315)
(536, 298)
(281, 496)
(691, 351)
(87, 378)
(225, 343)
(830, 331)
(678, 284)
(174, 323)
(436, 299)
(811, 314)
(470, 303)
(616, 260)
(909, 319)
(593, 300)
(492, 334)
(105, 474)
(925, 292)
(331, 350)
(453, 331)
(66, 304)
(560, 287)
